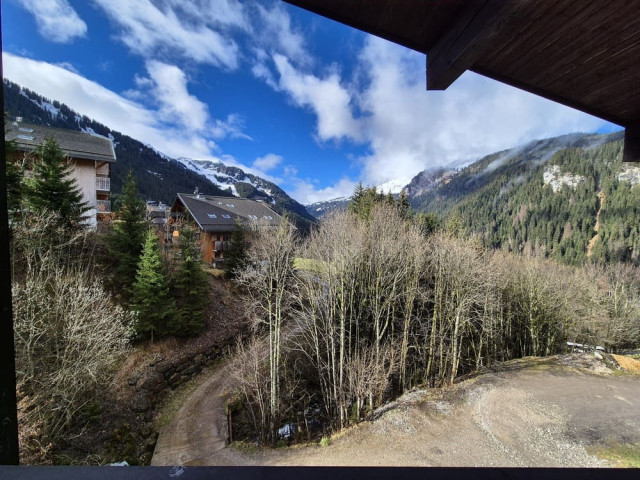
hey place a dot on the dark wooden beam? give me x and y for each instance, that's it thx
(465, 41)
(583, 107)
(356, 22)
(631, 151)
(8, 406)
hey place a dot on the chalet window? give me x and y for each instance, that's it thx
(230, 205)
(224, 215)
(212, 215)
(268, 217)
(253, 217)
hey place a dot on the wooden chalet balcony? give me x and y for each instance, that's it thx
(103, 184)
(103, 206)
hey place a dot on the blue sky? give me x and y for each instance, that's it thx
(303, 101)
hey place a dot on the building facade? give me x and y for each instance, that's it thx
(217, 218)
(90, 155)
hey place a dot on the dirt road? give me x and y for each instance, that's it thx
(545, 414)
(197, 435)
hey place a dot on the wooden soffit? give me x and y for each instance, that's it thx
(583, 54)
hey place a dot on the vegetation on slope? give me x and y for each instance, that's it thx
(158, 177)
(511, 207)
(395, 305)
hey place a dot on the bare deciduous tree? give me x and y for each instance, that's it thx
(269, 282)
(69, 335)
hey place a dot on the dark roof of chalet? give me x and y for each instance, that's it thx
(74, 144)
(211, 213)
(583, 54)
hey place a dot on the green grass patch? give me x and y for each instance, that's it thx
(245, 446)
(214, 272)
(620, 455)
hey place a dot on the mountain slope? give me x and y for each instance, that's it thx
(544, 199)
(419, 184)
(159, 177)
(247, 185)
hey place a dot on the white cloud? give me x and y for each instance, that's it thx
(232, 127)
(68, 66)
(326, 97)
(57, 20)
(306, 192)
(278, 35)
(409, 129)
(176, 105)
(260, 69)
(107, 107)
(191, 30)
(268, 162)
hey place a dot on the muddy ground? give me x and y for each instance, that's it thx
(554, 412)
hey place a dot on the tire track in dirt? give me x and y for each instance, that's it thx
(517, 417)
(197, 436)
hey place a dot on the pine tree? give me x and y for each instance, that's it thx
(429, 223)
(15, 178)
(235, 257)
(454, 226)
(51, 188)
(390, 200)
(404, 206)
(191, 287)
(151, 301)
(127, 237)
(355, 206)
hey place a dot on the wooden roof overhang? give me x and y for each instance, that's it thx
(583, 54)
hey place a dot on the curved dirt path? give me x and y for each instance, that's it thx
(197, 435)
(541, 416)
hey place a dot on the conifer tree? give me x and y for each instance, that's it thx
(428, 223)
(235, 257)
(390, 200)
(403, 205)
(127, 237)
(51, 188)
(357, 199)
(191, 287)
(150, 300)
(454, 226)
(15, 178)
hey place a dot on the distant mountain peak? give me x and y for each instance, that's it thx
(159, 177)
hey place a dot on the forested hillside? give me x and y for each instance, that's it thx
(158, 177)
(571, 204)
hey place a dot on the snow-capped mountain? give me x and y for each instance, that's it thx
(158, 176)
(241, 184)
(323, 208)
(394, 186)
(320, 209)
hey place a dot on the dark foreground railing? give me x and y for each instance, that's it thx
(311, 473)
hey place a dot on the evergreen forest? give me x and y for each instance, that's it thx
(512, 208)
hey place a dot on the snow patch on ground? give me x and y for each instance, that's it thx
(394, 186)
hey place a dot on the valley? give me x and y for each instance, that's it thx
(400, 316)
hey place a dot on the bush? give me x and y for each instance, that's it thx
(69, 335)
